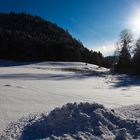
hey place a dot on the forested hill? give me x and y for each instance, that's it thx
(24, 37)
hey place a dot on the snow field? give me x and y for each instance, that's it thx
(40, 87)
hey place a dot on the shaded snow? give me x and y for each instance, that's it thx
(75, 121)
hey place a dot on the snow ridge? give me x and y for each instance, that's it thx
(75, 121)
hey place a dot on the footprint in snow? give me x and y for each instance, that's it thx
(8, 85)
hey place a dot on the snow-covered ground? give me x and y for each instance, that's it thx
(40, 87)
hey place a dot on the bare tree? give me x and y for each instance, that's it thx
(124, 46)
(126, 39)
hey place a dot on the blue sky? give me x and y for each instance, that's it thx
(96, 23)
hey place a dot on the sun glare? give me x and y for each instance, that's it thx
(135, 23)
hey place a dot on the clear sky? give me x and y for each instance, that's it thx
(96, 23)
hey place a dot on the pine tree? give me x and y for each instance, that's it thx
(136, 58)
(124, 62)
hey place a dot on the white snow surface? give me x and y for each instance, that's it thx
(40, 87)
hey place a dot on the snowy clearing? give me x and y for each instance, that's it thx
(40, 87)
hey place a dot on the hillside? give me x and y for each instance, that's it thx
(24, 37)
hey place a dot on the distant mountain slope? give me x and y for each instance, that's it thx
(24, 37)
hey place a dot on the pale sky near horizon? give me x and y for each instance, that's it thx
(96, 23)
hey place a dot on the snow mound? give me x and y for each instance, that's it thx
(75, 121)
(131, 111)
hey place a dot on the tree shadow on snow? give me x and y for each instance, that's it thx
(126, 81)
(49, 76)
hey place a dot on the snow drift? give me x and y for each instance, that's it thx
(75, 121)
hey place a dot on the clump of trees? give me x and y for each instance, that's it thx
(128, 54)
(136, 58)
(109, 61)
(24, 37)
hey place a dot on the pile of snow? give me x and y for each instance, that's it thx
(132, 111)
(75, 121)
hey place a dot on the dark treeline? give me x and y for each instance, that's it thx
(24, 37)
(128, 54)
